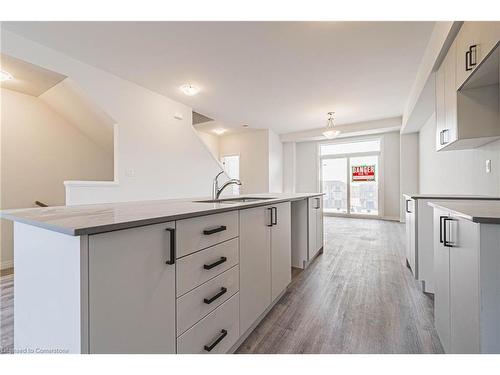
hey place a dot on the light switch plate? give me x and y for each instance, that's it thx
(488, 166)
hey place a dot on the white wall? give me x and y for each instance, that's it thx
(289, 170)
(307, 171)
(307, 178)
(157, 156)
(253, 149)
(391, 178)
(408, 168)
(275, 163)
(40, 150)
(211, 142)
(456, 172)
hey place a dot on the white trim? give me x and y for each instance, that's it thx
(381, 175)
(6, 264)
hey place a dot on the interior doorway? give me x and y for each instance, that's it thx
(349, 176)
(231, 165)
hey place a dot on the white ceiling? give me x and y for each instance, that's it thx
(279, 75)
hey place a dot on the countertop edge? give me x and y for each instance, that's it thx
(474, 219)
(149, 221)
(455, 198)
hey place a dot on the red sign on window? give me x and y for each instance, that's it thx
(361, 173)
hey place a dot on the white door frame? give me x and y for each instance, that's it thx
(380, 155)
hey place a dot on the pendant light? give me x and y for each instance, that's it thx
(330, 132)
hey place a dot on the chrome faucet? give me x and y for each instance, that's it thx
(216, 191)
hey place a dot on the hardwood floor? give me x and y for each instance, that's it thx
(357, 297)
(6, 313)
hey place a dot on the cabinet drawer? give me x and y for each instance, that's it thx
(214, 334)
(204, 231)
(199, 302)
(204, 265)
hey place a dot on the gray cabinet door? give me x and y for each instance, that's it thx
(441, 283)
(312, 224)
(411, 235)
(255, 264)
(464, 286)
(319, 224)
(132, 291)
(281, 250)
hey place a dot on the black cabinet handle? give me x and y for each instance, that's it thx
(208, 301)
(469, 62)
(275, 222)
(215, 264)
(406, 206)
(223, 333)
(172, 245)
(215, 230)
(270, 209)
(318, 202)
(441, 228)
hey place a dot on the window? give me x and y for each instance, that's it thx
(349, 177)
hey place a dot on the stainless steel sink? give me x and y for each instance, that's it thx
(236, 200)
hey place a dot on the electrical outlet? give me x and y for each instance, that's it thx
(488, 166)
(130, 172)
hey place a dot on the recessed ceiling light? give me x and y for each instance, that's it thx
(5, 76)
(219, 131)
(190, 90)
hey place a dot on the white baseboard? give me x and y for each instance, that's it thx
(391, 218)
(6, 264)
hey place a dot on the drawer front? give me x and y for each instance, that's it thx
(205, 231)
(199, 302)
(195, 269)
(214, 334)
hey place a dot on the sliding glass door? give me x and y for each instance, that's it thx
(349, 177)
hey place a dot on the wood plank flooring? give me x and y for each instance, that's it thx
(6, 313)
(357, 297)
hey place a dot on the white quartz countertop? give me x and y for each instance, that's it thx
(98, 218)
(451, 196)
(486, 212)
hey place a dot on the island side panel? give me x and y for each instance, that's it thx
(47, 291)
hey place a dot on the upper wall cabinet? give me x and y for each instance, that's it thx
(473, 42)
(468, 117)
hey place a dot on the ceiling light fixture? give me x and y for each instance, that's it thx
(5, 76)
(190, 90)
(219, 131)
(330, 132)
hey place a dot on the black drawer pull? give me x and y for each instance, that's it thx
(215, 264)
(208, 301)
(172, 245)
(207, 232)
(208, 348)
(441, 228)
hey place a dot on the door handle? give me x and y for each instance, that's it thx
(208, 301)
(469, 62)
(207, 232)
(270, 209)
(406, 206)
(223, 333)
(172, 245)
(441, 228)
(214, 264)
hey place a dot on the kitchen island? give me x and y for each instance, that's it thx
(467, 274)
(167, 276)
